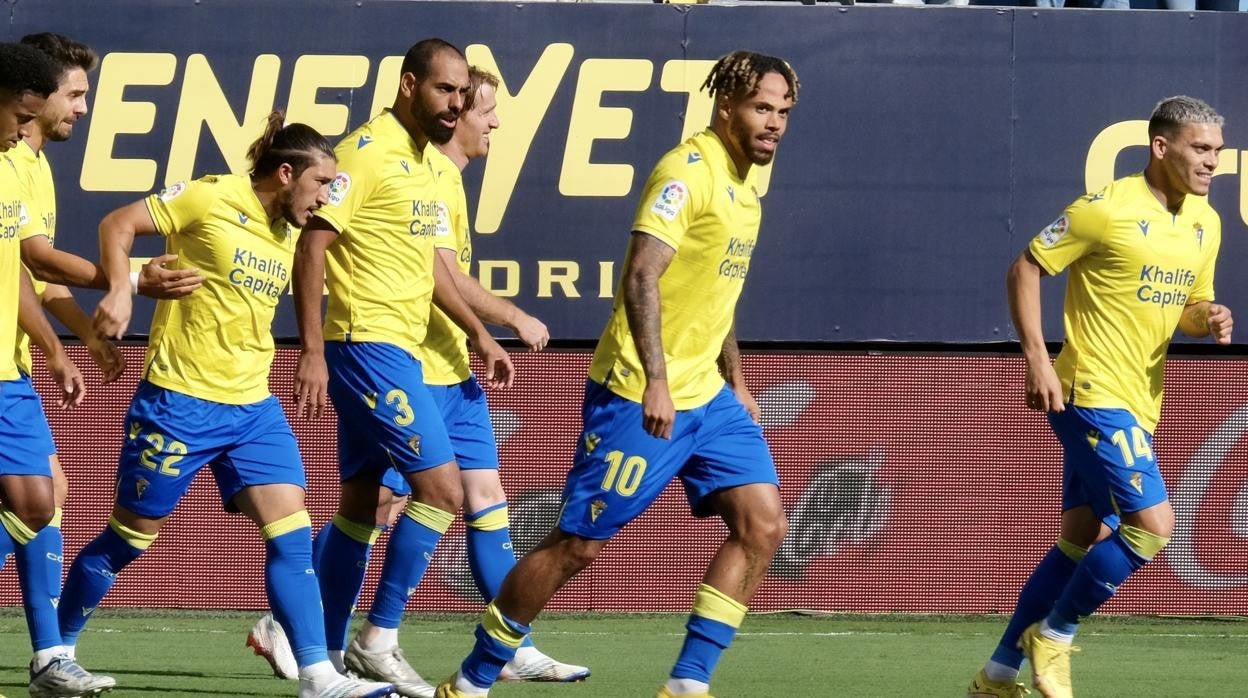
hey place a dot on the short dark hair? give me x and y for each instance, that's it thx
(63, 51)
(419, 57)
(26, 69)
(296, 144)
(736, 75)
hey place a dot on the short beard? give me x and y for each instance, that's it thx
(745, 142)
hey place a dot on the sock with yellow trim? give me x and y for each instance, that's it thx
(93, 572)
(407, 557)
(291, 584)
(37, 556)
(7, 546)
(1035, 600)
(490, 553)
(498, 638)
(1099, 575)
(341, 555)
(709, 631)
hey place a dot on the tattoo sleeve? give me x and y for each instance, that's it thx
(730, 358)
(647, 261)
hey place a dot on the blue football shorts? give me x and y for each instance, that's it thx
(1107, 462)
(171, 435)
(386, 417)
(467, 419)
(620, 469)
(25, 440)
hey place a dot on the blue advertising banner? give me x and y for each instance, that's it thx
(927, 148)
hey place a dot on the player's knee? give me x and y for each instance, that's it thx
(1144, 543)
(763, 531)
(577, 553)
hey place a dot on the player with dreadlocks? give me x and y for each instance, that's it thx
(666, 397)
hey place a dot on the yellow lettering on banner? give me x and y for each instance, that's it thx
(113, 117)
(606, 279)
(511, 277)
(387, 84)
(520, 113)
(561, 273)
(313, 73)
(688, 76)
(203, 102)
(1103, 153)
(591, 122)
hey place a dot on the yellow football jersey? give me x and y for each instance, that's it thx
(1133, 268)
(13, 217)
(217, 343)
(384, 205)
(444, 355)
(40, 198)
(695, 202)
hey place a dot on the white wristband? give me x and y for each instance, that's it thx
(134, 283)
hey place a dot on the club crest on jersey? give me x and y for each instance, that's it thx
(339, 187)
(671, 199)
(172, 191)
(591, 442)
(596, 508)
(1055, 231)
(140, 487)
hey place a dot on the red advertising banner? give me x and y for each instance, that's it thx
(913, 483)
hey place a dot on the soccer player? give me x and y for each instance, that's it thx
(204, 400)
(379, 229)
(55, 123)
(28, 512)
(444, 360)
(1141, 254)
(656, 405)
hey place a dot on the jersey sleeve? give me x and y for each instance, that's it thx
(180, 204)
(1075, 233)
(32, 221)
(357, 179)
(1211, 241)
(452, 226)
(675, 194)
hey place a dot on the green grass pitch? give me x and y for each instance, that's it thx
(200, 654)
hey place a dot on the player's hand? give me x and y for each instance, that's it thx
(747, 399)
(68, 380)
(532, 332)
(112, 315)
(1219, 319)
(658, 414)
(1044, 390)
(108, 358)
(498, 370)
(158, 281)
(311, 384)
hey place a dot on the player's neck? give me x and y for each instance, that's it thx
(1169, 197)
(36, 141)
(267, 192)
(452, 150)
(739, 160)
(409, 124)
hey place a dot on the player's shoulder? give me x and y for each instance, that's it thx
(203, 190)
